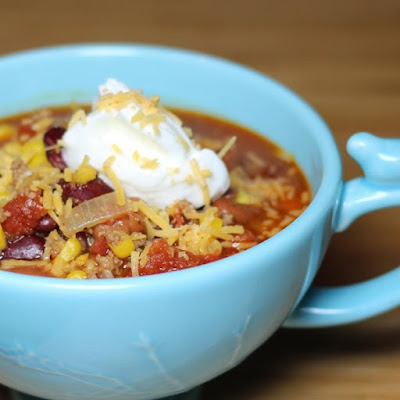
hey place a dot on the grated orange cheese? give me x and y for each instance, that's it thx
(148, 163)
(119, 190)
(57, 200)
(116, 149)
(79, 115)
(137, 117)
(184, 143)
(228, 146)
(198, 177)
(144, 162)
(135, 263)
(188, 131)
(152, 215)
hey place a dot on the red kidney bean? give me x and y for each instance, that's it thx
(52, 136)
(242, 214)
(25, 248)
(56, 159)
(81, 193)
(46, 224)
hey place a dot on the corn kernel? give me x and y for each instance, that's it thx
(77, 274)
(81, 260)
(4, 196)
(71, 250)
(34, 151)
(38, 159)
(124, 248)
(243, 197)
(33, 146)
(216, 223)
(84, 174)
(7, 132)
(3, 240)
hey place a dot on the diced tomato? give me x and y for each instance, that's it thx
(99, 246)
(25, 214)
(178, 219)
(228, 251)
(26, 130)
(163, 258)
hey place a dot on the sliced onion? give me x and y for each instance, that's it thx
(93, 212)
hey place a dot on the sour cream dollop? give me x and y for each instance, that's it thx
(152, 154)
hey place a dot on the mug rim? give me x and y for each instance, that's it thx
(325, 196)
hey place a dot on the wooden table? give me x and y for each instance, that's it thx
(344, 58)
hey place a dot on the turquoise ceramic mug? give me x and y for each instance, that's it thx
(155, 336)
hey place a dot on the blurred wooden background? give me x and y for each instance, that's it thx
(341, 56)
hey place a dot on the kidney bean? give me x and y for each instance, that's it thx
(242, 214)
(81, 193)
(52, 136)
(129, 223)
(136, 223)
(25, 248)
(46, 224)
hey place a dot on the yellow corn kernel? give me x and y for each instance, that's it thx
(71, 250)
(216, 223)
(7, 131)
(38, 159)
(84, 174)
(243, 197)
(3, 240)
(33, 146)
(4, 196)
(77, 274)
(81, 260)
(124, 248)
(34, 151)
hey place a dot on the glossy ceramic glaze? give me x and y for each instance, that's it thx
(149, 337)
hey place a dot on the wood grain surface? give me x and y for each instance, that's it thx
(341, 56)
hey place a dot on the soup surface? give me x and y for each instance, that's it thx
(56, 221)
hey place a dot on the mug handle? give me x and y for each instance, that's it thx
(380, 161)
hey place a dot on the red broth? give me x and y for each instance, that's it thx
(268, 191)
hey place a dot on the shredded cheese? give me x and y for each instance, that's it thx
(79, 115)
(228, 146)
(152, 215)
(199, 178)
(119, 190)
